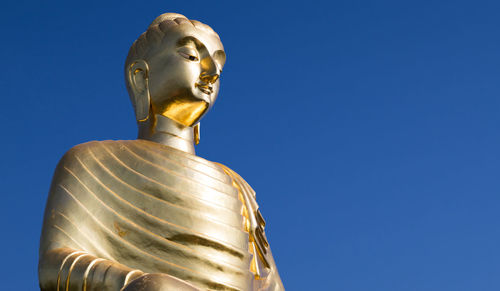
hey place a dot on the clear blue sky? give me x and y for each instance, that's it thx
(369, 129)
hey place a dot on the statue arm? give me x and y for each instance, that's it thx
(68, 261)
(65, 262)
(69, 269)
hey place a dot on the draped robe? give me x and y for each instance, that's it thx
(117, 209)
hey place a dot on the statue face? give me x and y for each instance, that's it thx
(184, 74)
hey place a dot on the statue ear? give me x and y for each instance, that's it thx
(137, 76)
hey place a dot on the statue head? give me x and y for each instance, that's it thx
(173, 69)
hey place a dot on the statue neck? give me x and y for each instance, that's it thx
(163, 130)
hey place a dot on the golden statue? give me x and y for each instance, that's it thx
(148, 214)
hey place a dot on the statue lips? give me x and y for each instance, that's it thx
(205, 88)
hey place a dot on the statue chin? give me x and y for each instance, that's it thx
(185, 112)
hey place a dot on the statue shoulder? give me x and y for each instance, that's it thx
(83, 149)
(240, 182)
(71, 155)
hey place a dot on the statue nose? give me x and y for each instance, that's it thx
(209, 72)
(209, 78)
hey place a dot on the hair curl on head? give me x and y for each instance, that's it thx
(148, 41)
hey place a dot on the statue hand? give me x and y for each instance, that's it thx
(159, 282)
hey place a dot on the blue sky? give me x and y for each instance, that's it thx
(369, 129)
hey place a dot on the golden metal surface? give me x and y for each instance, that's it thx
(148, 214)
(196, 133)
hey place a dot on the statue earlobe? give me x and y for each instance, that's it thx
(137, 76)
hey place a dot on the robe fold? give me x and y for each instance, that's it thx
(156, 209)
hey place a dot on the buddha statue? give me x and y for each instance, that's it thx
(148, 214)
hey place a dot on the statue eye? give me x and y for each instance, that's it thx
(189, 53)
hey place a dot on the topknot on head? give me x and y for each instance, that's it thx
(166, 20)
(166, 17)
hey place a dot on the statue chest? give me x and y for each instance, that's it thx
(160, 211)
